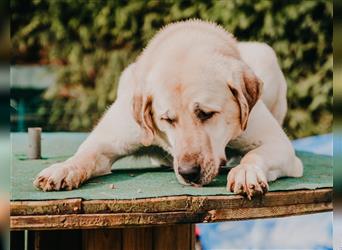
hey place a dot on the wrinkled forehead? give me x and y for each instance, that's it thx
(185, 97)
(179, 85)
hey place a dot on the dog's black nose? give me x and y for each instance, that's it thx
(190, 173)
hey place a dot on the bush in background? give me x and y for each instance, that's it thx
(95, 40)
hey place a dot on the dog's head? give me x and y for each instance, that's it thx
(196, 109)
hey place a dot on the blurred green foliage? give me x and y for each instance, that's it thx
(337, 44)
(95, 40)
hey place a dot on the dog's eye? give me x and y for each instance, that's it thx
(203, 116)
(168, 120)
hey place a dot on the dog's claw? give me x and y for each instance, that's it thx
(247, 180)
(58, 176)
(264, 187)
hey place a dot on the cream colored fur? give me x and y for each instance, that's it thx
(188, 70)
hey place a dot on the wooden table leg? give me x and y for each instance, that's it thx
(94, 239)
(17, 240)
(55, 240)
(137, 238)
(173, 237)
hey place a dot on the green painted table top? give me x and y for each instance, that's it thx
(135, 178)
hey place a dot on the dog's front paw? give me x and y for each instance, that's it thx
(65, 175)
(248, 180)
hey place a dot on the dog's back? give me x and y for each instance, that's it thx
(188, 38)
(263, 61)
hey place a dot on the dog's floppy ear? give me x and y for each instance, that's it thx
(142, 111)
(246, 88)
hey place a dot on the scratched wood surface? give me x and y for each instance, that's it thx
(79, 214)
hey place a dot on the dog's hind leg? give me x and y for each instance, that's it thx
(262, 59)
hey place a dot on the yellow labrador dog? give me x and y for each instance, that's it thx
(193, 91)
